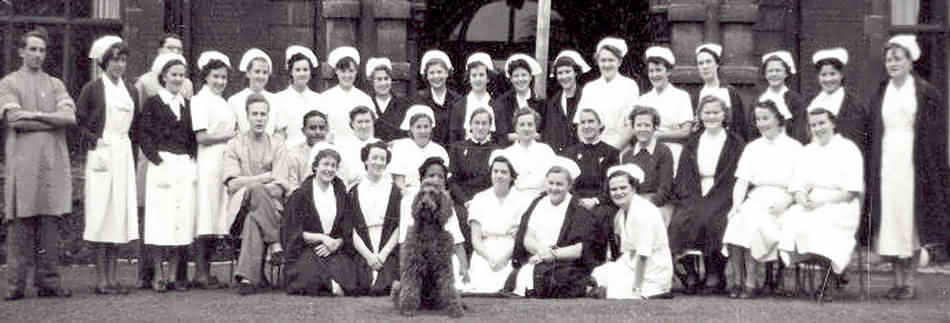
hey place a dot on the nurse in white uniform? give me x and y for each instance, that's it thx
(257, 68)
(298, 99)
(612, 93)
(342, 98)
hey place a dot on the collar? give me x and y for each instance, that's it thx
(832, 102)
(440, 99)
(482, 142)
(651, 146)
(596, 141)
(474, 102)
(176, 101)
(779, 99)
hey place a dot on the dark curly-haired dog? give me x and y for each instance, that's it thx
(426, 279)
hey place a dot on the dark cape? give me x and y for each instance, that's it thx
(440, 134)
(505, 107)
(386, 127)
(307, 273)
(657, 169)
(930, 165)
(561, 278)
(469, 166)
(558, 129)
(698, 221)
(390, 271)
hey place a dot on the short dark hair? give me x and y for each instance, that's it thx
(511, 168)
(435, 160)
(169, 64)
(38, 32)
(660, 61)
(640, 110)
(212, 65)
(523, 112)
(314, 113)
(710, 52)
(298, 57)
(326, 152)
(770, 105)
(634, 183)
(358, 110)
(364, 152)
(256, 98)
(345, 63)
(482, 110)
(166, 36)
(516, 64)
(569, 62)
(765, 64)
(114, 51)
(820, 111)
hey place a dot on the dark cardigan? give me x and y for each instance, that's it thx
(387, 123)
(930, 163)
(557, 129)
(159, 130)
(456, 130)
(91, 113)
(505, 107)
(741, 122)
(440, 134)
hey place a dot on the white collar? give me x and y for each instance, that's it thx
(831, 102)
(440, 99)
(174, 101)
(651, 147)
(596, 141)
(779, 99)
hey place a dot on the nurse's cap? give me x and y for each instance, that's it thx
(373, 62)
(435, 54)
(495, 154)
(483, 58)
(414, 110)
(630, 169)
(908, 42)
(102, 45)
(208, 56)
(614, 42)
(343, 51)
(785, 56)
(662, 53)
(164, 59)
(252, 54)
(321, 146)
(574, 57)
(567, 164)
(716, 49)
(533, 65)
(838, 53)
(297, 49)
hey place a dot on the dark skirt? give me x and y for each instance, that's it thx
(555, 280)
(384, 281)
(699, 225)
(311, 275)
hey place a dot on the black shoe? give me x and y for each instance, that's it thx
(13, 294)
(245, 288)
(54, 292)
(599, 292)
(667, 295)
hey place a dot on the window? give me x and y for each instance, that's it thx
(928, 19)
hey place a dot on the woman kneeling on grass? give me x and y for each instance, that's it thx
(644, 266)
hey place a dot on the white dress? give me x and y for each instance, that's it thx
(897, 235)
(238, 103)
(499, 220)
(210, 112)
(111, 209)
(642, 234)
(294, 105)
(171, 190)
(408, 156)
(338, 104)
(675, 107)
(531, 163)
(610, 100)
(767, 165)
(352, 168)
(545, 226)
(828, 230)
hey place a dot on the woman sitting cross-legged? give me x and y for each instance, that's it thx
(644, 266)
(552, 256)
(494, 215)
(317, 233)
(828, 182)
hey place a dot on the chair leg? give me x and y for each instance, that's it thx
(824, 286)
(864, 276)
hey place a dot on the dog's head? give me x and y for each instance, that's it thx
(431, 205)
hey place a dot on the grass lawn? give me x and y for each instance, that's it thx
(272, 306)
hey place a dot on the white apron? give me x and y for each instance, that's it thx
(170, 204)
